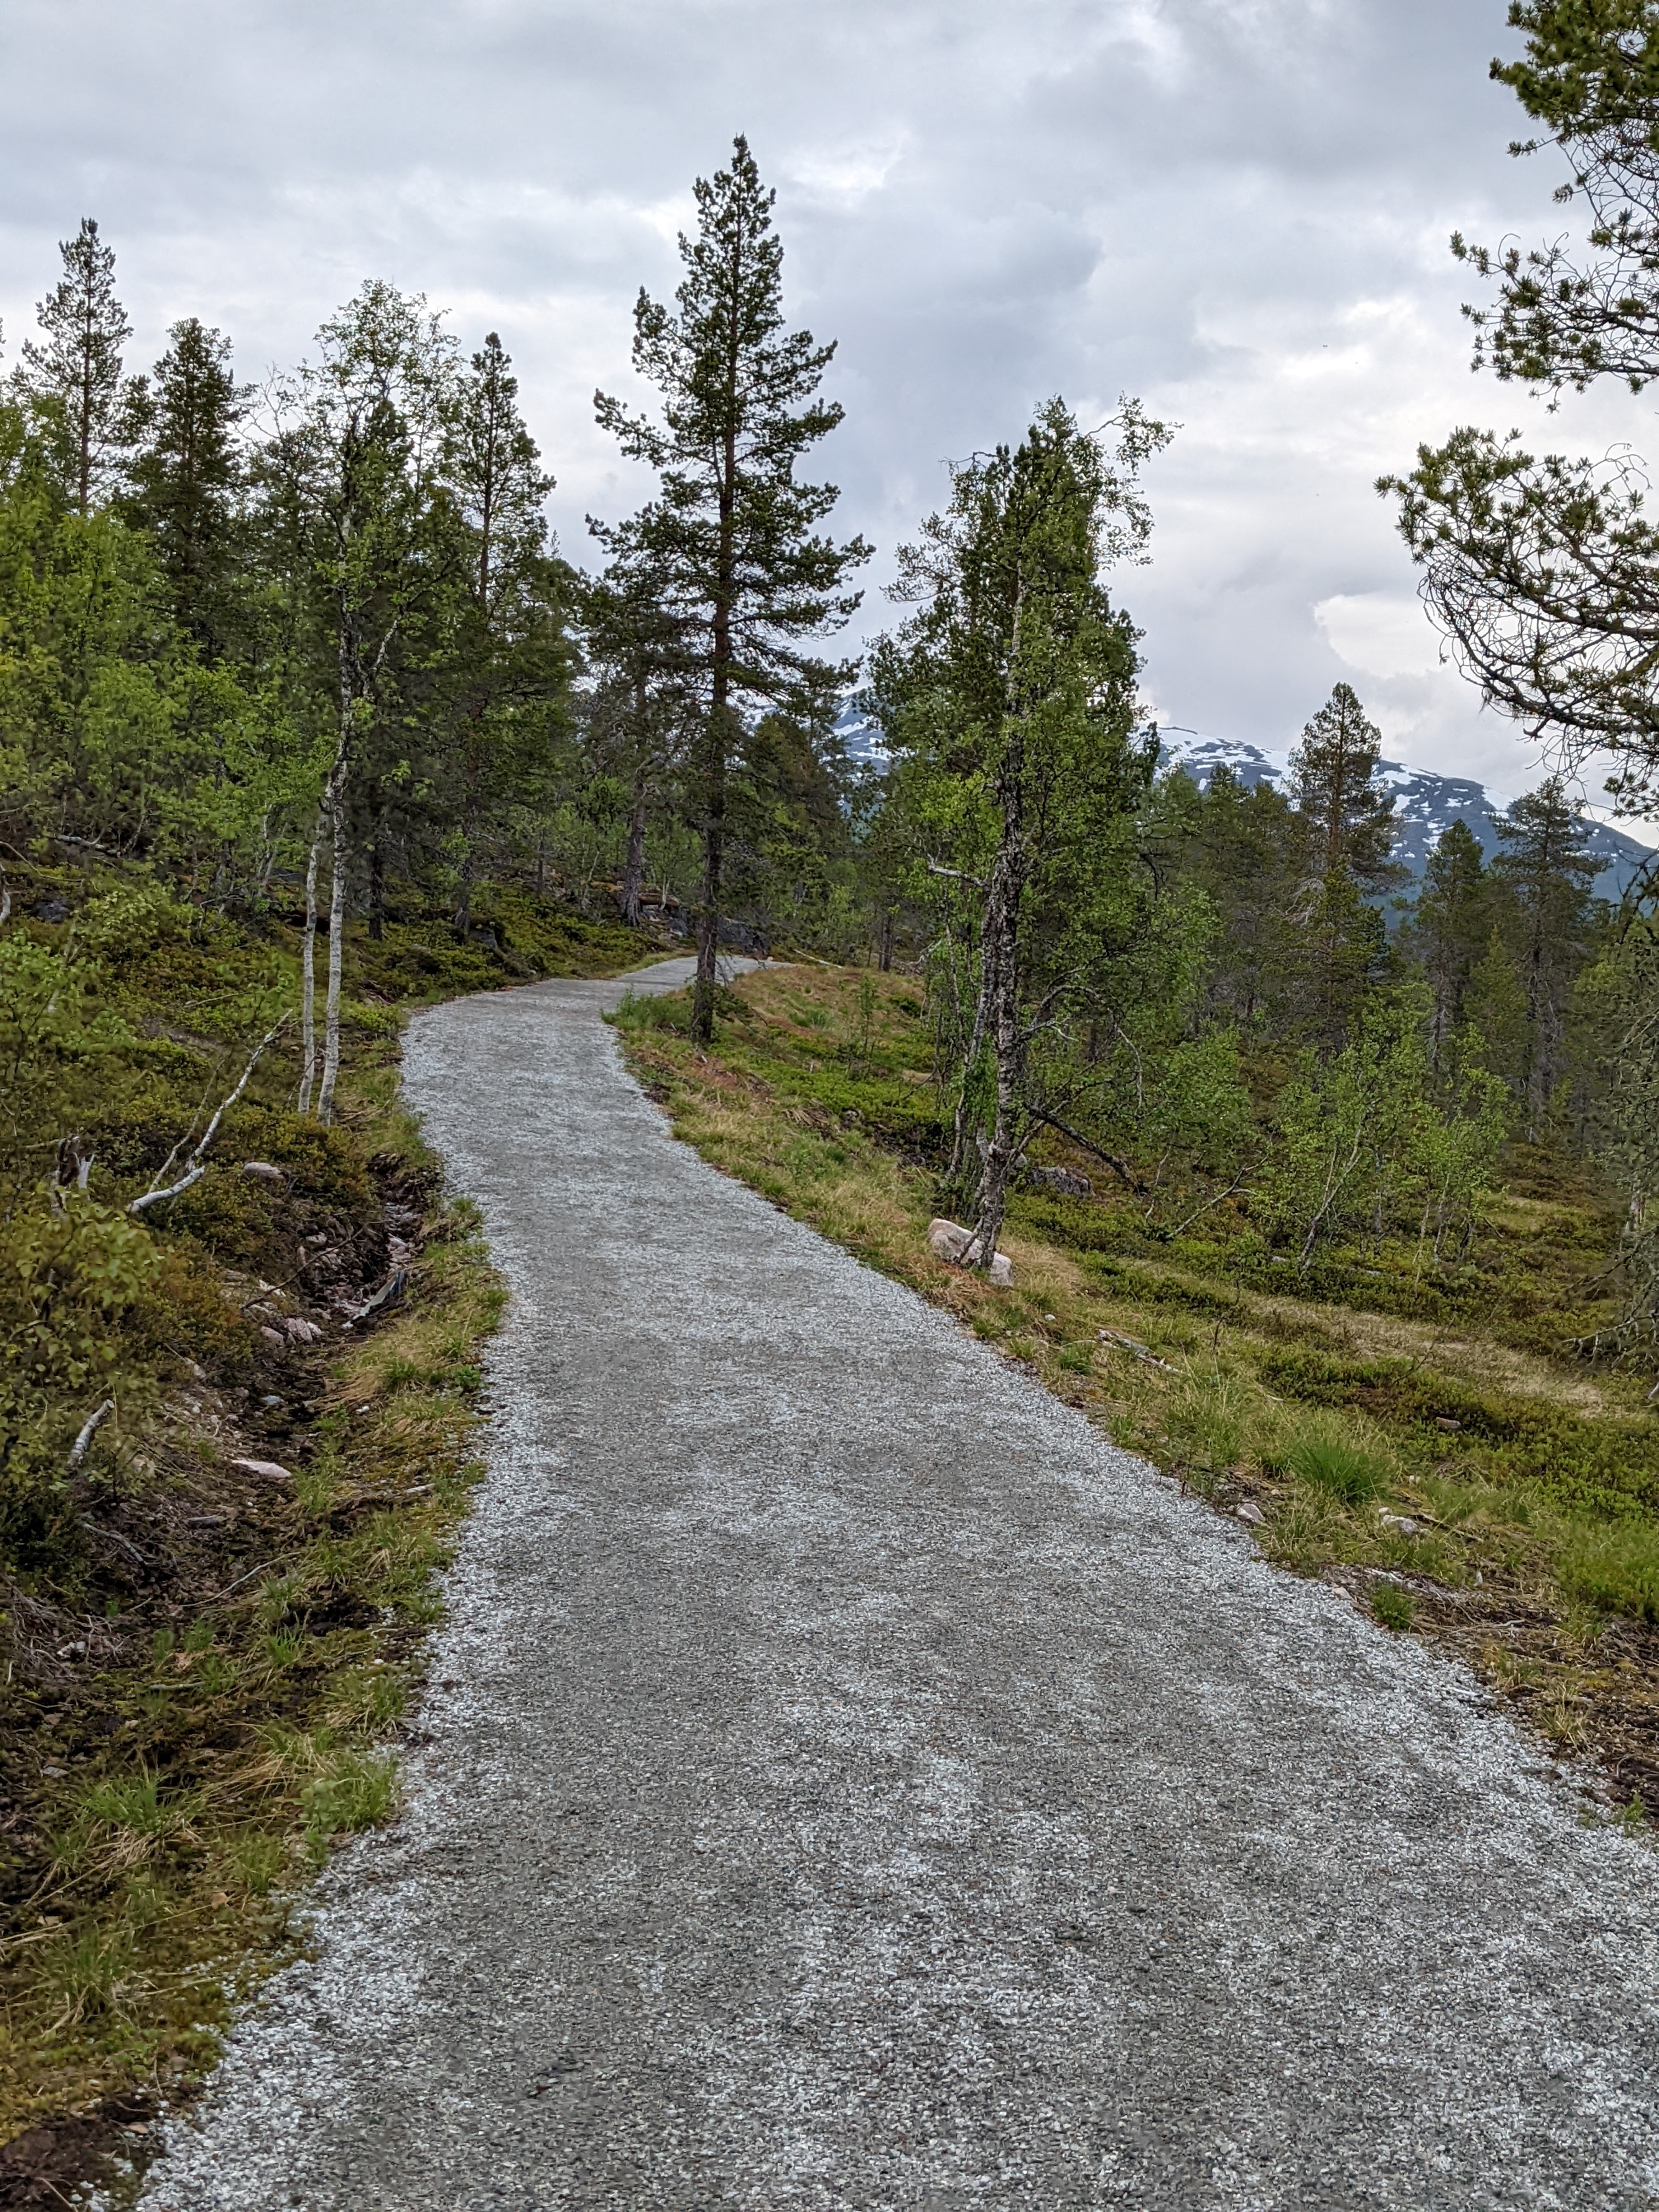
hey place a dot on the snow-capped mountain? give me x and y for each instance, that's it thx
(1425, 805)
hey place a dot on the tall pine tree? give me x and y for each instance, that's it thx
(733, 533)
(72, 382)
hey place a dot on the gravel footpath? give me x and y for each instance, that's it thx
(854, 1782)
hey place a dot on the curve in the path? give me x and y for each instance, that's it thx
(856, 1784)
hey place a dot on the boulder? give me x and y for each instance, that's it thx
(1063, 1182)
(960, 1247)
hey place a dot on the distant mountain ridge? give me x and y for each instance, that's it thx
(1425, 805)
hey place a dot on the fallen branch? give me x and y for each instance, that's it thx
(197, 1165)
(110, 1535)
(1119, 1168)
(1134, 1346)
(90, 1427)
(1220, 1199)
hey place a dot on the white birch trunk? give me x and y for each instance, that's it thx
(309, 976)
(337, 854)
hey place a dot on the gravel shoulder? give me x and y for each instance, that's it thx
(849, 1781)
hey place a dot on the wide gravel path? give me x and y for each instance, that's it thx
(854, 1782)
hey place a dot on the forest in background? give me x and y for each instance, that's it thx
(303, 714)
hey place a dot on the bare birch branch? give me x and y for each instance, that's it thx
(89, 1428)
(197, 1166)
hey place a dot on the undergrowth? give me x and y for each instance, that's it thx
(1431, 1447)
(207, 1666)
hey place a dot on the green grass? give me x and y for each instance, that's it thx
(1381, 1420)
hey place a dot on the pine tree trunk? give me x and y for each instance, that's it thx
(336, 944)
(633, 870)
(308, 975)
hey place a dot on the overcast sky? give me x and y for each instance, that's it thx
(1237, 209)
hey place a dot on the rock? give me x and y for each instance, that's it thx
(50, 909)
(263, 1171)
(1063, 1182)
(1252, 1513)
(1445, 1421)
(1399, 1522)
(266, 1469)
(960, 1247)
(272, 1335)
(302, 1332)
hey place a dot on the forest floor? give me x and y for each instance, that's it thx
(846, 1777)
(1422, 1439)
(205, 1689)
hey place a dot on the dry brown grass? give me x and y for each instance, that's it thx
(1482, 1566)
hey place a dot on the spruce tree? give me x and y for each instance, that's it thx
(731, 532)
(73, 381)
(1543, 866)
(642, 705)
(188, 474)
(1449, 925)
(504, 644)
(1347, 825)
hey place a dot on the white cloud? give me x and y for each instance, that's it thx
(1236, 208)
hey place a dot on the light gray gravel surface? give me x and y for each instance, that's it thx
(856, 1784)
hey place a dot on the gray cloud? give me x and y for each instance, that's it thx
(1236, 208)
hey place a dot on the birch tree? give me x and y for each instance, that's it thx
(355, 462)
(731, 532)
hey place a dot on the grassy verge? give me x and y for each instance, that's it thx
(206, 1665)
(1426, 1445)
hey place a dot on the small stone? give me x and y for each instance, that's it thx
(1445, 1421)
(1001, 1272)
(1251, 1512)
(54, 1769)
(272, 1335)
(1399, 1522)
(263, 1171)
(301, 1331)
(266, 1469)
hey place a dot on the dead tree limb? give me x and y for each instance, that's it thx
(1119, 1167)
(89, 1428)
(197, 1166)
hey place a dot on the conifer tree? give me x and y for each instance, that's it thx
(1346, 822)
(732, 533)
(1449, 921)
(642, 706)
(187, 476)
(73, 381)
(506, 647)
(1544, 867)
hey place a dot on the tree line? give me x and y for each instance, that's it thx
(309, 650)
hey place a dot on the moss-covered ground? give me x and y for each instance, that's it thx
(1424, 1440)
(206, 1668)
